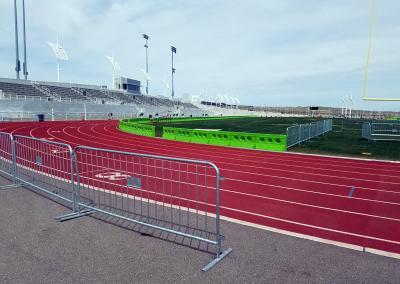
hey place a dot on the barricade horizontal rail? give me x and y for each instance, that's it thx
(172, 195)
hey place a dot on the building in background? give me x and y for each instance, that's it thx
(127, 85)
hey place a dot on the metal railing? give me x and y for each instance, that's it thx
(7, 157)
(172, 195)
(57, 115)
(304, 132)
(381, 131)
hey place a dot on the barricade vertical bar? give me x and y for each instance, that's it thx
(14, 162)
(7, 159)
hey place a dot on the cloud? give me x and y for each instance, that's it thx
(283, 52)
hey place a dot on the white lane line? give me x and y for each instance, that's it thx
(325, 208)
(291, 171)
(263, 197)
(262, 226)
(312, 226)
(274, 157)
(311, 238)
(249, 173)
(269, 185)
(145, 144)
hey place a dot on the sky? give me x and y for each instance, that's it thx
(270, 52)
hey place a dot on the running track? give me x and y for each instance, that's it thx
(302, 194)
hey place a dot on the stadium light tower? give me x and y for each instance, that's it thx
(17, 63)
(173, 50)
(60, 53)
(115, 66)
(146, 37)
(25, 65)
(350, 104)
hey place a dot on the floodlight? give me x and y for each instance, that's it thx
(115, 66)
(59, 51)
(60, 54)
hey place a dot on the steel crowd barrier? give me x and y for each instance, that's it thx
(304, 132)
(46, 166)
(172, 195)
(7, 157)
(381, 131)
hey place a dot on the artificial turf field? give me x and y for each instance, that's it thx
(342, 141)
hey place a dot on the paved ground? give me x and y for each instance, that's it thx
(35, 248)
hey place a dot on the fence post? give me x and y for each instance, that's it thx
(75, 194)
(14, 160)
(300, 134)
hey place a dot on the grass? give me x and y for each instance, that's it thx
(272, 125)
(340, 142)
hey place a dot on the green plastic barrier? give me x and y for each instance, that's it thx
(136, 126)
(201, 136)
(274, 142)
(243, 140)
(169, 133)
(219, 138)
(183, 134)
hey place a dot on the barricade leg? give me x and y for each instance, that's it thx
(7, 160)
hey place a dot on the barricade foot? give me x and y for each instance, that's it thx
(4, 187)
(217, 260)
(74, 215)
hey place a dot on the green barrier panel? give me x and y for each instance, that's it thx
(183, 134)
(136, 128)
(219, 138)
(242, 140)
(201, 136)
(169, 133)
(272, 142)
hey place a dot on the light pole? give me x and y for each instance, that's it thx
(25, 65)
(146, 37)
(60, 54)
(17, 63)
(173, 50)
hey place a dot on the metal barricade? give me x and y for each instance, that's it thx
(384, 131)
(7, 168)
(297, 134)
(45, 166)
(366, 131)
(177, 196)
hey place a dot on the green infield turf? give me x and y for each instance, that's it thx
(271, 125)
(339, 142)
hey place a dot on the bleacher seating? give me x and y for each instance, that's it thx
(83, 93)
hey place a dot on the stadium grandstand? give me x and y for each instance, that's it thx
(70, 98)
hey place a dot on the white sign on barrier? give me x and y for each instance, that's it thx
(112, 176)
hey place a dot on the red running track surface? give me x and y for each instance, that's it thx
(298, 193)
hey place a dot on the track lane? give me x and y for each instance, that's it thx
(378, 234)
